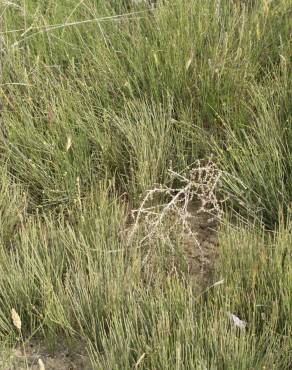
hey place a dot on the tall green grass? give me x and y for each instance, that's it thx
(206, 76)
(99, 99)
(80, 282)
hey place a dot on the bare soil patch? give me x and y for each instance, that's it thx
(61, 359)
(201, 255)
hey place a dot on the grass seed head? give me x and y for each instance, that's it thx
(41, 364)
(16, 319)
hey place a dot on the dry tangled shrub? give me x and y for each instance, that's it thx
(172, 213)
